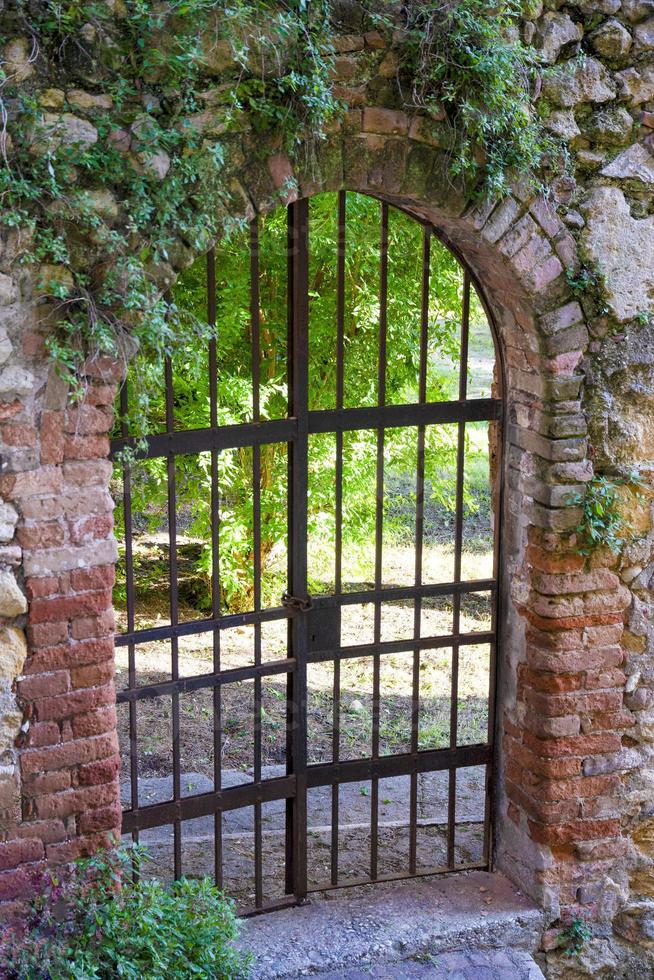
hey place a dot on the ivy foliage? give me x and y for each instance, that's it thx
(468, 60)
(603, 522)
(173, 181)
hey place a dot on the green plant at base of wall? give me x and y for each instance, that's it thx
(574, 936)
(94, 921)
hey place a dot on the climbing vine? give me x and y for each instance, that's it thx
(470, 62)
(149, 161)
(603, 522)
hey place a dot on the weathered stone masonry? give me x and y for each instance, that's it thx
(575, 781)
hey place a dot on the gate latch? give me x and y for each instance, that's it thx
(293, 602)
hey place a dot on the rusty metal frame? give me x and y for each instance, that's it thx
(295, 431)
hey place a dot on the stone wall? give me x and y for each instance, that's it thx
(574, 822)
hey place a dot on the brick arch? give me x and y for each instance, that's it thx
(560, 679)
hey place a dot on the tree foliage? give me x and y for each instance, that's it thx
(234, 400)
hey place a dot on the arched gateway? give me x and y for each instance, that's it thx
(572, 760)
(324, 714)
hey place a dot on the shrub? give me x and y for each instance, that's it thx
(94, 920)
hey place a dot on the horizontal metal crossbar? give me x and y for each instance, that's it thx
(197, 682)
(218, 438)
(284, 787)
(427, 760)
(401, 646)
(185, 685)
(399, 592)
(394, 416)
(390, 594)
(206, 804)
(193, 626)
(441, 869)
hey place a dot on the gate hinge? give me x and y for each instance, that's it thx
(293, 602)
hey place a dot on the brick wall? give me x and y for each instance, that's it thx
(573, 822)
(68, 747)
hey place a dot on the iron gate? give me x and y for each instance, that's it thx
(314, 622)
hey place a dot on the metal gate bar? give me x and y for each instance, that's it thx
(294, 431)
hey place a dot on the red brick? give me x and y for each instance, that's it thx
(601, 808)
(20, 434)
(545, 561)
(75, 703)
(86, 447)
(576, 702)
(60, 805)
(104, 368)
(92, 579)
(546, 766)
(88, 420)
(545, 812)
(603, 636)
(94, 626)
(9, 409)
(79, 847)
(38, 588)
(580, 745)
(104, 818)
(583, 659)
(96, 773)
(609, 677)
(32, 483)
(610, 602)
(75, 653)
(52, 437)
(88, 473)
(556, 584)
(556, 642)
(15, 852)
(48, 831)
(41, 784)
(94, 528)
(43, 733)
(549, 682)
(571, 622)
(607, 721)
(33, 345)
(95, 723)
(15, 884)
(77, 752)
(48, 535)
(47, 634)
(51, 610)
(101, 394)
(93, 675)
(577, 830)
(385, 121)
(560, 726)
(565, 789)
(42, 685)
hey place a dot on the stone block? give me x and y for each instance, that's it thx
(12, 600)
(13, 651)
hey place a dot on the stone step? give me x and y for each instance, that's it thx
(410, 927)
(468, 964)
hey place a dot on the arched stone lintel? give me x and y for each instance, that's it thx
(518, 250)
